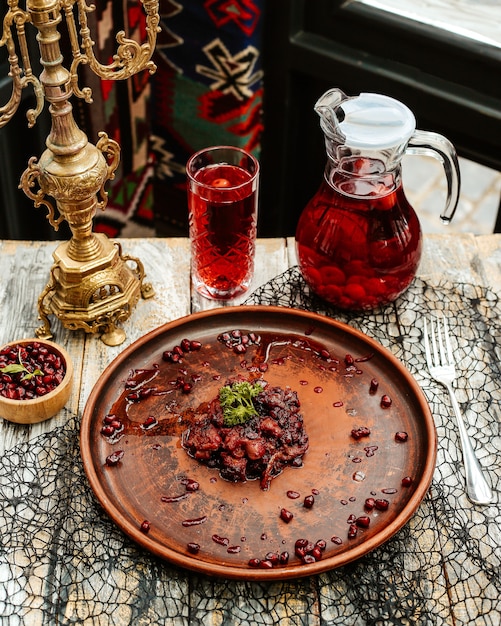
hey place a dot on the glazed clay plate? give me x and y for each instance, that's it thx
(146, 492)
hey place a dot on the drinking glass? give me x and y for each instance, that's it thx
(223, 186)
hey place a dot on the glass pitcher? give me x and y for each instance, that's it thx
(359, 240)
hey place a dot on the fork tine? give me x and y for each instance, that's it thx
(440, 334)
(427, 344)
(450, 353)
(434, 342)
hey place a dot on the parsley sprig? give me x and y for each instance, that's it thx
(236, 402)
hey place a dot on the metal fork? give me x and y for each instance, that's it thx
(440, 360)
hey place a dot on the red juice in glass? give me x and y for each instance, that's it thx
(222, 202)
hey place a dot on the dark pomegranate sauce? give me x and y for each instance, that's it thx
(271, 439)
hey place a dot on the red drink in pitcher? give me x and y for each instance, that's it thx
(222, 202)
(359, 240)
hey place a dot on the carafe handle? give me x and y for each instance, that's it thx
(439, 147)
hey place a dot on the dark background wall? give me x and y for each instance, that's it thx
(450, 83)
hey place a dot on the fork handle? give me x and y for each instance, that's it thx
(477, 489)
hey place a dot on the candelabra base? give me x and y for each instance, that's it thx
(95, 294)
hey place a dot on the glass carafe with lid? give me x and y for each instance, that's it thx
(359, 240)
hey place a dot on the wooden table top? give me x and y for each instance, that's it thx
(442, 568)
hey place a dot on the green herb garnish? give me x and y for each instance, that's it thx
(17, 368)
(236, 402)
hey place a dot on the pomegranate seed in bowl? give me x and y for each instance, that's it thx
(35, 380)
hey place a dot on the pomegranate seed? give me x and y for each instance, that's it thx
(321, 543)
(352, 531)
(382, 504)
(316, 553)
(193, 548)
(114, 458)
(308, 547)
(358, 433)
(349, 360)
(185, 345)
(308, 558)
(363, 521)
(300, 547)
(286, 516)
(273, 557)
(373, 386)
(401, 436)
(284, 558)
(369, 504)
(385, 401)
(407, 481)
(145, 526)
(149, 422)
(309, 501)
(195, 345)
(222, 541)
(254, 562)
(264, 564)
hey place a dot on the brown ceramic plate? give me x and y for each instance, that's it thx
(235, 522)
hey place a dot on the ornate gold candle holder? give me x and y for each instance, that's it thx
(93, 286)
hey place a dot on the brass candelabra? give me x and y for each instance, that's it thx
(93, 285)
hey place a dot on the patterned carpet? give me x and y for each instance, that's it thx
(130, 207)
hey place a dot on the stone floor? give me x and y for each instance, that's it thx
(479, 200)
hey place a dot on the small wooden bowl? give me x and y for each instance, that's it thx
(33, 410)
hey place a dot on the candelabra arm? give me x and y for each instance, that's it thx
(22, 75)
(130, 57)
(111, 152)
(30, 176)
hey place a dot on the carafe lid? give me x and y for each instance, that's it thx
(374, 121)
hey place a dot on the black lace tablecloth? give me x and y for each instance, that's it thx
(63, 561)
